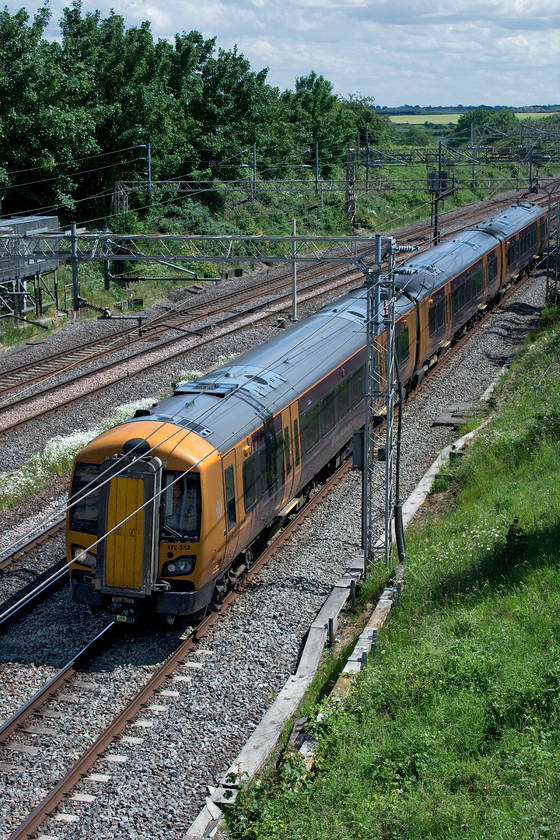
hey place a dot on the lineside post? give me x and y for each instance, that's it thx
(74, 260)
(381, 445)
(294, 272)
(379, 450)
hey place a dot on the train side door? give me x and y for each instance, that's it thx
(231, 501)
(296, 448)
(448, 312)
(291, 451)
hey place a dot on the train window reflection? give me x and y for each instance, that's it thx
(230, 497)
(402, 346)
(249, 482)
(181, 506)
(84, 504)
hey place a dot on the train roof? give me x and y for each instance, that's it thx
(419, 275)
(230, 402)
(511, 220)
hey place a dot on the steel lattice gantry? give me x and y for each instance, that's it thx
(88, 247)
(381, 445)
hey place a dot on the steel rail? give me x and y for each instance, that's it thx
(71, 778)
(49, 689)
(50, 584)
(25, 547)
(115, 728)
(67, 359)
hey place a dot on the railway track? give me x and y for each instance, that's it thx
(21, 723)
(54, 580)
(24, 376)
(74, 802)
(51, 804)
(18, 412)
(29, 374)
(29, 600)
(155, 694)
(25, 547)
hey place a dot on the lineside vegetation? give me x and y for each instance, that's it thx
(454, 732)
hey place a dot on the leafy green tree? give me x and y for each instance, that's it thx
(502, 123)
(76, 116)
(415, 135)
(230, 106)
(40, 132)
(364, 119)
(318, 117)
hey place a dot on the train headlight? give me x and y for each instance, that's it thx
(183, 565)
(83, 557)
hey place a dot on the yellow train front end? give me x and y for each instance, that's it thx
(139, 538)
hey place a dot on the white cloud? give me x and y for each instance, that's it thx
(441, 52)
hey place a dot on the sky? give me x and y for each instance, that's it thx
(416, 52)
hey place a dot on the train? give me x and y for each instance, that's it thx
(167, 509)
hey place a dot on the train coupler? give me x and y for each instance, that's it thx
(124, 613)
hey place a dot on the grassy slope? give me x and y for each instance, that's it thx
(455, 731)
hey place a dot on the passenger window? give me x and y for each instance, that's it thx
(402, 346)
(230, 498)
(343, 399)
(358, 386)
(249, 483)
(327, 413)
(436, 316)
(492, 269)
(310, 428)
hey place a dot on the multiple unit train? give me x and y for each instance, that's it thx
(166, 507)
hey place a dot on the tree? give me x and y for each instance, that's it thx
(40, 129)
(362, 116)
(500, 122)
(317, 116)
(230, 106)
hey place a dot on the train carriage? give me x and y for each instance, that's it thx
(165, 506)
(522, 232)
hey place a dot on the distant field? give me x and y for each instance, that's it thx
(527, 115)
(446, 119)
(420, 119)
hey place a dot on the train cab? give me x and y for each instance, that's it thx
(137, 530)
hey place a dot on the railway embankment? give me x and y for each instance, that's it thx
(453, 728)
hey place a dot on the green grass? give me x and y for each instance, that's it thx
(453, 119)
(455, 730)
(533, 115)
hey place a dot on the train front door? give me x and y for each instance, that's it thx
(291, 451)
(129, 499)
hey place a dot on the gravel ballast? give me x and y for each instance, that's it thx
(195, 729)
